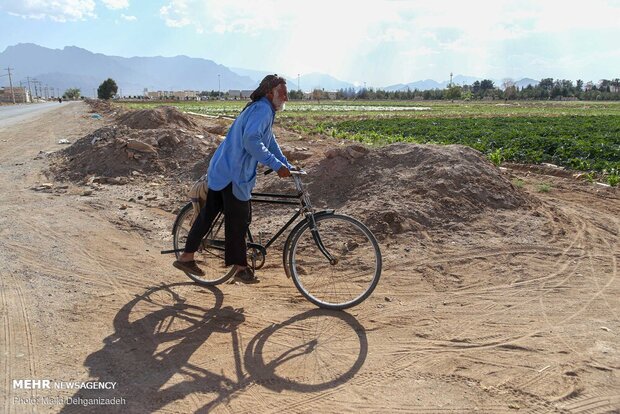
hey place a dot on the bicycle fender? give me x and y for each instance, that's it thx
(294, 231)
(301, 223)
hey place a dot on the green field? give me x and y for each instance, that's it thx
(579, 135)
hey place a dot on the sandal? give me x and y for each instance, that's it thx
(189, 267)
(246, 276)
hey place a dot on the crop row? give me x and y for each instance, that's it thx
(578, 142)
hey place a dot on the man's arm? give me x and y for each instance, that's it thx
(275, 149)
(257, 125)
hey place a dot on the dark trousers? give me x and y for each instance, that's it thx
(237, 217)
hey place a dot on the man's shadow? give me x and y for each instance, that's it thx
(152, 345)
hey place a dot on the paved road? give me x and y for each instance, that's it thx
(11, 114)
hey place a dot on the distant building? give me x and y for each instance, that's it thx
(22, 95)
(185, 95)
(178, 95)
(239, 94)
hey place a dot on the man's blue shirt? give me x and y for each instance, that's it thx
(250, 140)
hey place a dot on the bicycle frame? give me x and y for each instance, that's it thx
(306, 209)
(286, 199)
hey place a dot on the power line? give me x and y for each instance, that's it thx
(11, 83)
(29, 89)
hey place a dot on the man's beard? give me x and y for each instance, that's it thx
(278, 104)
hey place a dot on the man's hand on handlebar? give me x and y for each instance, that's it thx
(284, 172)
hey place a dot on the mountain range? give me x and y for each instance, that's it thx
(74, 67)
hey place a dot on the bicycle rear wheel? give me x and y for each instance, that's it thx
(354, 274)
(210, 254)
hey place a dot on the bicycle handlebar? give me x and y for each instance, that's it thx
(293, 172)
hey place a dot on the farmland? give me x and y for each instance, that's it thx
(578, 135)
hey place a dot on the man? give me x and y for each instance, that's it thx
(231, 176)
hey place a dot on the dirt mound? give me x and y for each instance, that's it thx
(101, 106)
(163, 116)
(405, 187)
(118, 151)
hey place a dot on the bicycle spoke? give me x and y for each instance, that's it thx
(356, 271)
(210, 255)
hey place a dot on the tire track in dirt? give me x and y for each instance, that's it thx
(591, 403)
(38, 236)
(578, 250)
(17, 340)
(592, 276)
(613, 251)
(585, 240)
(87, 253)
(593, 241)
(511, 290)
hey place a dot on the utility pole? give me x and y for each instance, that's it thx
(29, 89)
(219, 87)
(298, 88)
(11, 84)
(21, 86)
(450, 79)
(36, 94)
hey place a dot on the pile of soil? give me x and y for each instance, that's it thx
(163, 116)
(101, 107)
(160, 141)
(118, 151)
(408, 187)
(394, 189)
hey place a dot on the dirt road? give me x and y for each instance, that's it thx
(517, 311)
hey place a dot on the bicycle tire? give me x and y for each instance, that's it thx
(210, 254)
(339, 285)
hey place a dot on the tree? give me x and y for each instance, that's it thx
(107, 89)
(486, 84)
(546, 84)
(317, 94)
(604, 85)
(292, 94)
(507, 83)
(72, 93)
(579, 85)
(453, 93)
(475, 88)
(510, 92)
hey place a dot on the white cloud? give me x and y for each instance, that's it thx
(128, 18)
(177, 14)
(407, 37)
(116, 4)
(241, 16)
(57, 10)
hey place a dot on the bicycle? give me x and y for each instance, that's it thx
(334, 259)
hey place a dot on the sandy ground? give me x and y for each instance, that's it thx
(514, 311)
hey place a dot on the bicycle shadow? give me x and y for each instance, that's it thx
(157, 333)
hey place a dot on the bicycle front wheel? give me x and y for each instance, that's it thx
(210, 254)
(350, 277)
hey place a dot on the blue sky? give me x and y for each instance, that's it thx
(380, 42)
